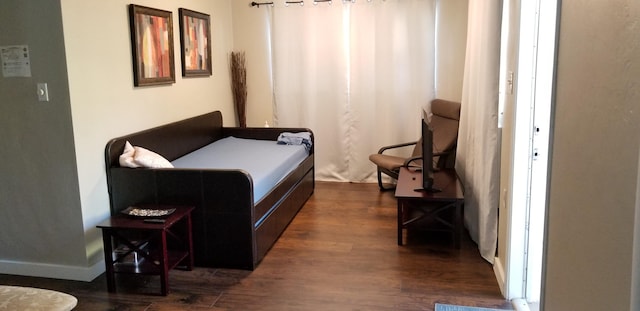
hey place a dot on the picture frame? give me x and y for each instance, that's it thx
(195, 43)
(151, 45)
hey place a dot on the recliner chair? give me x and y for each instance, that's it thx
(445, 120)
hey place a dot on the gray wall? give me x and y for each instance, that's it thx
(40, 217)
(594, 168)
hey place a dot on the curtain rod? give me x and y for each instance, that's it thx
(258, 4)
(300, 2)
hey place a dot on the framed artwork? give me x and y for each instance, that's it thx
(151, 45)
(195, 42)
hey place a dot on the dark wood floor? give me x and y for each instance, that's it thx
(339, 253)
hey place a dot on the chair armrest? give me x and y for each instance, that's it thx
(408, 161)
(396, 146)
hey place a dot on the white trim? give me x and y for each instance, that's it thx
(75, 273)
(501, 276)
(536, 53)
(521, 304)
(505, 87)
(545, 59)
(522, 152)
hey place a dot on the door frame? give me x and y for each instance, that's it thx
(533, 85)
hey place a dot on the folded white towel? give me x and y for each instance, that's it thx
(301, 138)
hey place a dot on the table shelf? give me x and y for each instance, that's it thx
(152, 267)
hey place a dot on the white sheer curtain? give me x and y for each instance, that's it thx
(357, 74)
(478, 157)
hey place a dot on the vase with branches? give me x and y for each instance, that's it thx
(239, 86)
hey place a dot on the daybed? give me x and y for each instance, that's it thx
(231, 228)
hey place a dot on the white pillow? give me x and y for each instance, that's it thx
(148, 158)
(126, 158)
(134, 156)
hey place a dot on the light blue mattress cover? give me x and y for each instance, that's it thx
(266, 161)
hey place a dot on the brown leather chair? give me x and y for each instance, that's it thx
(444, 121)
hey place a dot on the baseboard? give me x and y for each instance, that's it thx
(521, 304)
(52, 271)
(501, 277)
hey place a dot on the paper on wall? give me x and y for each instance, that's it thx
(15, 61)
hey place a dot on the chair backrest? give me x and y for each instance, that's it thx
(445, 122)
(417, 149)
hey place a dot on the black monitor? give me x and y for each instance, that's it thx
(427, 154)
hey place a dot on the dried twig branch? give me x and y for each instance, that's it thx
(239, 85)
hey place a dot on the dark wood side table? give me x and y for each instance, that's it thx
(135, 245)
(438, 211)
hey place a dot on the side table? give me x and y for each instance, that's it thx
(136, 246)
(437, 211)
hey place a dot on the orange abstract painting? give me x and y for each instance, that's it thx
(195, 39)
(152, 42)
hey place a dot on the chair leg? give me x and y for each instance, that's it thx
(380, 180)
(382, 188)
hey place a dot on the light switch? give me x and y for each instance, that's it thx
(43, 92)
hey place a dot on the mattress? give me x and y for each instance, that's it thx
(266, 161)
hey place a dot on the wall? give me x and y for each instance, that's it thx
(41, 220)
(251, 33)
(594, 162)
(60, 145)
(104, 102)
(451, 47)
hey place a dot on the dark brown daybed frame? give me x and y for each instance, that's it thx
(225, 233)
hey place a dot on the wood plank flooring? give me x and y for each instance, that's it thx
(339, 253)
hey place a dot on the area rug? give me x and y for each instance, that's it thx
(29, 298)
(446, 307)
